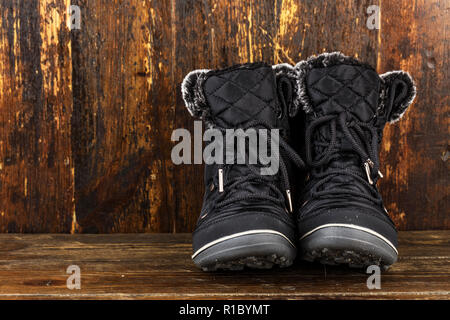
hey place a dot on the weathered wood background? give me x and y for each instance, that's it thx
(86, 115)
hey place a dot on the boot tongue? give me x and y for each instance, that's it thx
(350, 88)
(344, 88)
(241, 94)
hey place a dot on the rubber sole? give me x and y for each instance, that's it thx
(339, 245)
(255, 251)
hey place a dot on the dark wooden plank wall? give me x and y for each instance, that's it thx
(86, 115)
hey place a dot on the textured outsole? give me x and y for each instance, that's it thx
(347, 246)
(254, 251)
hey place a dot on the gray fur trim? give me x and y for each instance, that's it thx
(283, 69)
(399, 110)
(322, 60)
(192, 91)
(287, 70)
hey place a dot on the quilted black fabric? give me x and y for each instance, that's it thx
(350, 88)
(241, 94)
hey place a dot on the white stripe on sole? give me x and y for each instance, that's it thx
(352, 226)
(235, 235)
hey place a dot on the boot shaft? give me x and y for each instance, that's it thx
(235, 96)
(333, 83)
(347, 105)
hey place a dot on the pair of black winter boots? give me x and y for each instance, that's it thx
(323, 203)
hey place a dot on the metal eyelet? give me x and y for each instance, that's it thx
(280, 114)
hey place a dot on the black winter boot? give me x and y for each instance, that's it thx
(342, 219)
(246, 218)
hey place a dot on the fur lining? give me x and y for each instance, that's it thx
(283, 69)
(192, 92)
(322, 60)
(286, 70)
(399, 110)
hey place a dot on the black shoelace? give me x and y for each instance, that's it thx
(363, 139)
(235, 189)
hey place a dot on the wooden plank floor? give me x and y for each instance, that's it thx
(158, 266)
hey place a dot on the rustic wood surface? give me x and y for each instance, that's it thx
(86, 115)
(158, 266)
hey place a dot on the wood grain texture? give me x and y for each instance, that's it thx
(158, 266)
(415, 150)
(123, 108)
(36, 180)
(87, 115)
